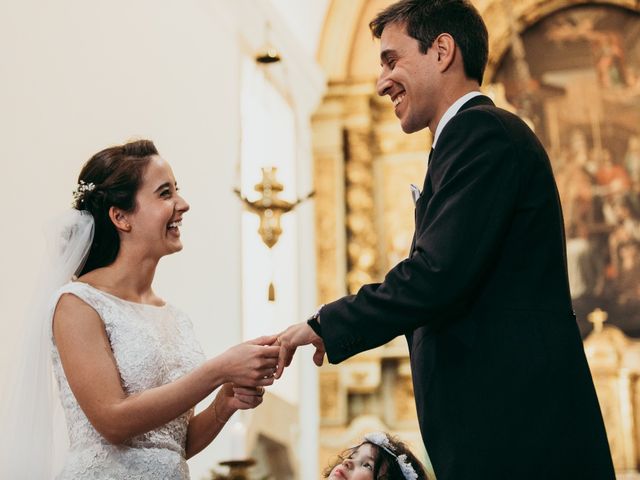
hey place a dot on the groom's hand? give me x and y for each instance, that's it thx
(294, 337)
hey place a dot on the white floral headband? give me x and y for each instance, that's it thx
(79, 192)
(381, 440)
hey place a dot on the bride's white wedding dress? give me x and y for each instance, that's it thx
(152, 346)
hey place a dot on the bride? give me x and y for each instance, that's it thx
(127, 365)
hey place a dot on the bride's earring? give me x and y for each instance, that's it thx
(119, 220)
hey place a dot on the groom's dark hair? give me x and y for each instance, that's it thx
(424, 20)
(116, 174)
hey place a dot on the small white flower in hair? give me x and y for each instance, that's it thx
(378, 438)
(79, 192)
(406, 468)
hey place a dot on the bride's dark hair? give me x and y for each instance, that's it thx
(115, 175)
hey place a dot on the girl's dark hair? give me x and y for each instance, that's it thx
(115, 175)
(386, 465)
(426, 19)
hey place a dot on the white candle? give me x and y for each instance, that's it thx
(238, 441)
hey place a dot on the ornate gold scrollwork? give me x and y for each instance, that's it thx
(270, 207)
(615, 367)
(358, 130)
(361, 234)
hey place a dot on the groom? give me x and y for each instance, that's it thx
(501, 383)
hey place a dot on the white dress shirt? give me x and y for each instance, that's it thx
(451, 111)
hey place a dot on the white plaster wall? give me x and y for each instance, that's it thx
(305, 83)
(77, 76)
(305, 20)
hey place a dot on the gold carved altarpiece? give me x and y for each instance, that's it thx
(363, 167)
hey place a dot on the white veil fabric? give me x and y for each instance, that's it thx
(33, 435)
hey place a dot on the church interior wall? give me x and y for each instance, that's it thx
(81, 76)
(363, 160)
(78, 77)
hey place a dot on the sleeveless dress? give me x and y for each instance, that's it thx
(152, 346)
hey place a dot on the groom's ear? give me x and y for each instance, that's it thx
(445, 49)
(119, 219)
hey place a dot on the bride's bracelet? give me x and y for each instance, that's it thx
(216, 417)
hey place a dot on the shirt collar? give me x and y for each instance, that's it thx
(451, 111)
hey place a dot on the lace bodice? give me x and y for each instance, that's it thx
(152, 346)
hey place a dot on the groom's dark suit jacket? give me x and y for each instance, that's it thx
(501, 383)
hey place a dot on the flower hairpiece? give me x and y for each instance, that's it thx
(381, 440)
(81, 189)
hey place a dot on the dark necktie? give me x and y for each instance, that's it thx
(426, 188)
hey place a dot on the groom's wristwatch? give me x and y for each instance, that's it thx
(314, 323)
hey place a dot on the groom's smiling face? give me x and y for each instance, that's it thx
(409, 77)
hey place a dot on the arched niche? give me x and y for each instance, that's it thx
(346, 50)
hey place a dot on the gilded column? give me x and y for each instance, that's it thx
(329, 158)
(362, 254)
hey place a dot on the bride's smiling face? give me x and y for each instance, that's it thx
(154, 224)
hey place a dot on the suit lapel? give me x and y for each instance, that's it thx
(426, 186)
(427, 189)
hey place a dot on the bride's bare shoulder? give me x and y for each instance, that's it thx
(71, 311)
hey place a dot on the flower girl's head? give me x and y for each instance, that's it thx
(378, 457)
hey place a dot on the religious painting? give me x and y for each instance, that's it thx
(575, 77)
